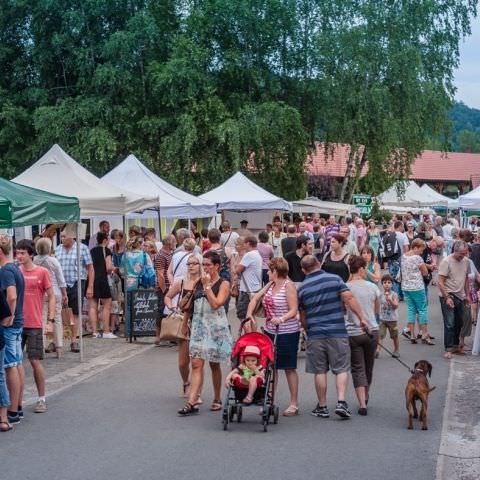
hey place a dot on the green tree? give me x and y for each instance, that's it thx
(469, 141)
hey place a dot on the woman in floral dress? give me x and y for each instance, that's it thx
(210, 339)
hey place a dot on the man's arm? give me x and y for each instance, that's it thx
(51, 303)
(354, 306)
(239, 269)
(12, 303)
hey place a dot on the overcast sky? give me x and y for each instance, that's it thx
(467, 78)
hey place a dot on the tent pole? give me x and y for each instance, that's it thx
(159, 225)
(79, 294)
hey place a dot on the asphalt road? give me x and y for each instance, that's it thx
(122, 424)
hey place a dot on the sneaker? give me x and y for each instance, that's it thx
(20, 412)
(109, 335)
(13, 419)
(362, 411)
(319, 411)
(342, 410)
(40, 407)
(96, 335)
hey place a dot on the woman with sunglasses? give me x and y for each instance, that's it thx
(210, 339)
(182, 286)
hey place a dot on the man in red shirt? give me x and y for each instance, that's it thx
(37, 283)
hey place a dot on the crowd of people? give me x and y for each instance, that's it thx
(331, 288)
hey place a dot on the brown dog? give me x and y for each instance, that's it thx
(418, 389)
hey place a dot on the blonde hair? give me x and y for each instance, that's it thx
(151, 245)
(5, 244)
(189, 244)
(43, 246)
(198, 257)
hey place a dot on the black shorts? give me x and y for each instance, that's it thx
(161, 307)
(73, 296)
(32, 341)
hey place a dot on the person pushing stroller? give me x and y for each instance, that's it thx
(249, 374)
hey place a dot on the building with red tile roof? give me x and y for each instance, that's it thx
(438, 169)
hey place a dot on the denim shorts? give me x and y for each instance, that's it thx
(13, 347)
(4, 396)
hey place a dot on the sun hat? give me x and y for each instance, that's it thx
(251, 351)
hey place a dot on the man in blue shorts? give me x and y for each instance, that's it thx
(321, 298)
(12, 283)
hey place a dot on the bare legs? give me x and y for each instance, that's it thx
(341, 381)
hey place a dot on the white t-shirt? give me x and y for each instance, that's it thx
(251, 278)
(402, 240)
(447, 231)
(179, 264)
(366, 293)
(228, 239)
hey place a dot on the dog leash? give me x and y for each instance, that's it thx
(391, 354)
(396, 358)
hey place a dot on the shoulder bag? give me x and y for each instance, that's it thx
(171, 325)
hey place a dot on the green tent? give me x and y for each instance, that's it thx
(21, 206)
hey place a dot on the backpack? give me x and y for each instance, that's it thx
(389, 247)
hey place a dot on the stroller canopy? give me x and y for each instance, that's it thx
(259, 340)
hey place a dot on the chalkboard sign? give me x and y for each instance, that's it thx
(143, 307)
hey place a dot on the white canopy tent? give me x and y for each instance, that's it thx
(133, 175)
(314, 205)
(240, 193)
(471, 200)
(438, 199)
(412, 196)
(405, 209)
(59, 173)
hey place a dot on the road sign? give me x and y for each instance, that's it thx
(363, 203)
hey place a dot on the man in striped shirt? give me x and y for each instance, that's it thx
(320, 301)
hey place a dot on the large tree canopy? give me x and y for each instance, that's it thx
(199, 89)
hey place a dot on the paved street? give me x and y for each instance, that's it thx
(122, 424)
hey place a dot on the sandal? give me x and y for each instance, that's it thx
(188, 409)
(5, 429)
(427, 341)
(291, 411)
(185, 389)
(216, 406)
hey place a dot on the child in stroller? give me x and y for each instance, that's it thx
(249, 374)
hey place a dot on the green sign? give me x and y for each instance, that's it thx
(363, 203)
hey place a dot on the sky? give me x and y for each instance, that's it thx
(467, 78)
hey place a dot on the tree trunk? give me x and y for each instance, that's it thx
(348, 174)
(359, 166)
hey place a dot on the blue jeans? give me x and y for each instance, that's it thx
(4, 396)
(13, 347)
(394, 270)
(452, 322)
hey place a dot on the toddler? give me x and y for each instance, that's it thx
(249, 374)
(389, 315)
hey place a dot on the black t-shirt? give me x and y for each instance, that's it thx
(289, 244)
(11, 276)
(99, 265)
(295, 272)
(428, 260)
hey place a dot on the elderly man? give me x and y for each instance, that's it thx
(454, 294)
(438, 226)
(303, 230)
(321, 300)
(66, 254)
(350, 247)
(103, 227)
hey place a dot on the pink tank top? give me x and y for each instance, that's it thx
(276, 306)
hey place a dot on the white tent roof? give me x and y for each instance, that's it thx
(174, 203)
(438, 198)
(471, 200)
(240, 193)
(59, 173)
(314, 205)
(413, 196)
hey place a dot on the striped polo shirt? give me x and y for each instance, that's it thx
(319, 297)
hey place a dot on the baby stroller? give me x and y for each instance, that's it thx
(264, 395)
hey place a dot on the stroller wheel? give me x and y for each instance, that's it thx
(265, 425)
(225, 419)
(276, 413)
(233, 410)
(239, 414)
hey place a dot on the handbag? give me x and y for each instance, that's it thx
(185, 303)
(148, 278)
(67, 321)
(171, 327)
